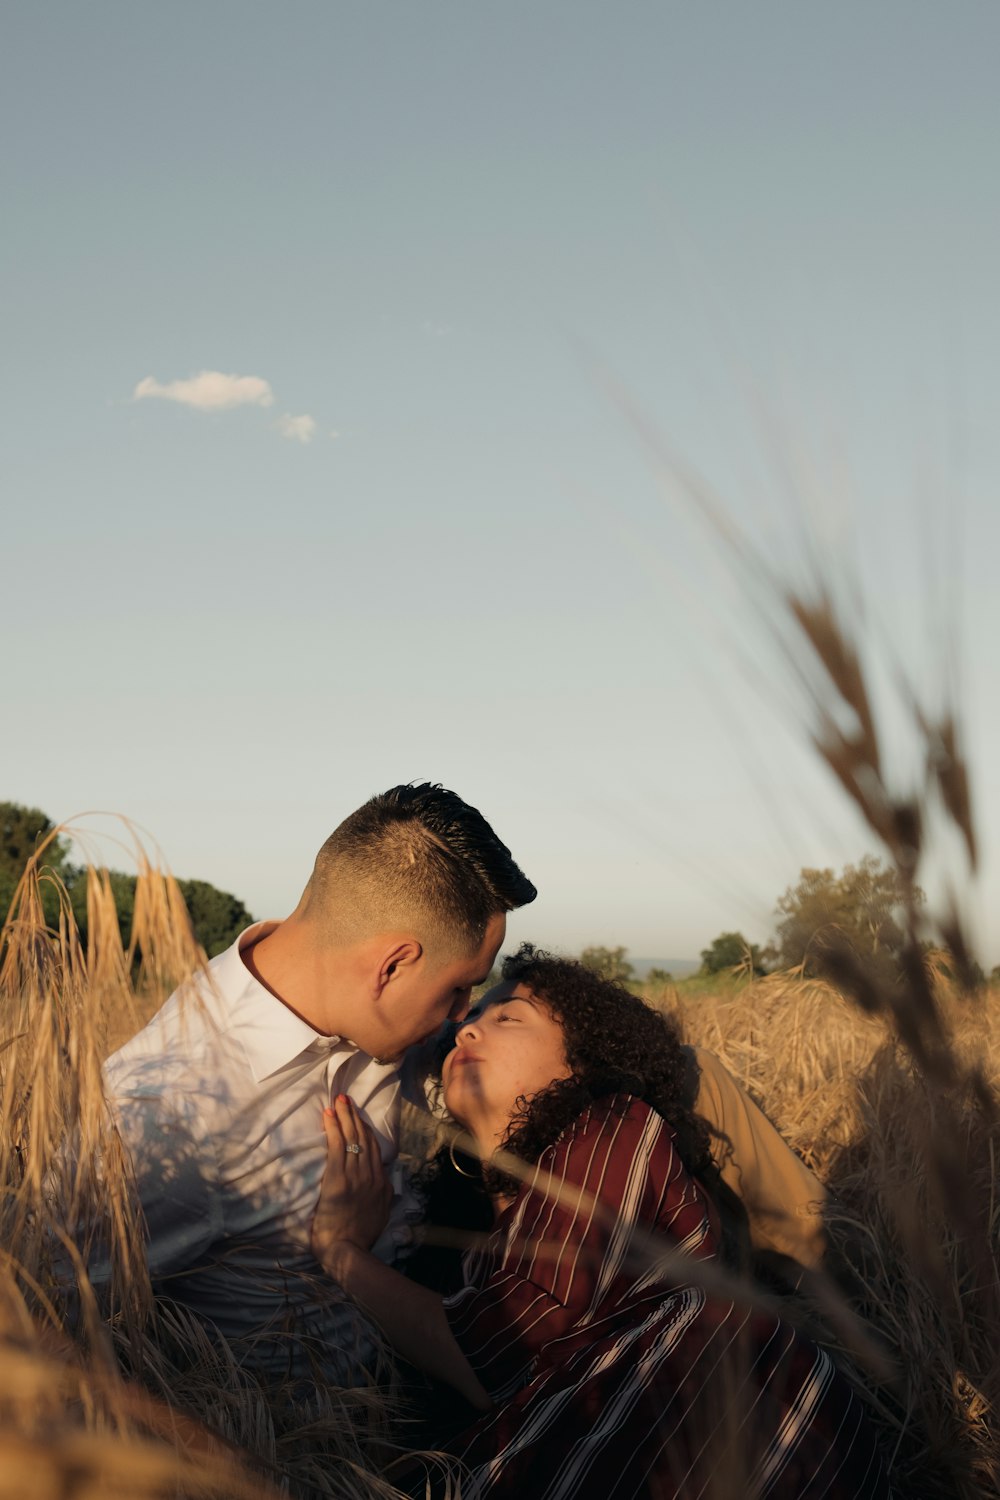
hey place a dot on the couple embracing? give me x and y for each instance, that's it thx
(588, 1348)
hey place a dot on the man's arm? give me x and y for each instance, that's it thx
(783, 1199)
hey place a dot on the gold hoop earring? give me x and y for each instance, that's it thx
(458, 1169)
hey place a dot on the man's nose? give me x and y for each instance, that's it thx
(460, 1009)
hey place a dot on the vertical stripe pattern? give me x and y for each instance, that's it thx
(610, 1380)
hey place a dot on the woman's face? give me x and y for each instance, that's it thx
(513, 1047)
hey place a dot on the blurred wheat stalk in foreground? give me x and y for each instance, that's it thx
(884, 1076)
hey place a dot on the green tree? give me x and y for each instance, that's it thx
(609, 963)
(123, 890)
(861, 906)
(659, 976)
(730, 950)
(22, 829)
(218, 917)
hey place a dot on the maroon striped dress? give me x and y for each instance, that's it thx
(612, 1378)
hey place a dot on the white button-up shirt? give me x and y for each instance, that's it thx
(220, 1101)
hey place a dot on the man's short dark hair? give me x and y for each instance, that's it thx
(417, 853)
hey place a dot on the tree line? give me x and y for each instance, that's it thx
(218, 917)
(860, 907)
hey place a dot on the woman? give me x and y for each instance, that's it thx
(601, 1366)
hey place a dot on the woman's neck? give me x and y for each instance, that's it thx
(489, 1133)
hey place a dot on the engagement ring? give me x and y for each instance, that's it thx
(354, 1148)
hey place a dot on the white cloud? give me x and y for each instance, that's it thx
(210, 391)
(299, 429)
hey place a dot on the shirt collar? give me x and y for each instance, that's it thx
(269, 1031)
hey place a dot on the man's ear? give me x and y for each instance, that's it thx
(398, 960)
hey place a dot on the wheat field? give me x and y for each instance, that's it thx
(128, 1399)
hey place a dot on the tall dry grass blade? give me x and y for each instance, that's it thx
(948, 768)
(109, 982)
(63, 1175)
(163, 940)
(842, 666)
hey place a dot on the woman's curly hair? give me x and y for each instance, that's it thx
(615, 1044)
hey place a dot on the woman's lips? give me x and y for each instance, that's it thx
(458, 1059)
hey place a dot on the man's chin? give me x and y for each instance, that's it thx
(410, 1046)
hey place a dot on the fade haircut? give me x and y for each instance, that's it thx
(416, 856)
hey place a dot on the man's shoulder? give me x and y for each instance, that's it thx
(186, 1030)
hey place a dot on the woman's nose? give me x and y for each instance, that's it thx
(467, 1032)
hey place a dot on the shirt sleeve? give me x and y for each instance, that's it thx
(783, 1199)
(569, 1235)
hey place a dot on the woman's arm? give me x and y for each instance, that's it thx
(411, 1317)
(352, 1209)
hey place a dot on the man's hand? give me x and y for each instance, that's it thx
(355, 1194)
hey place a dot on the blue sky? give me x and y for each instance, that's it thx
(452, 248)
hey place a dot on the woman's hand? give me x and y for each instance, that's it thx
(353, 1206)
(355, 1194)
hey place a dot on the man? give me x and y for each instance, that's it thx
(220, 1098)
